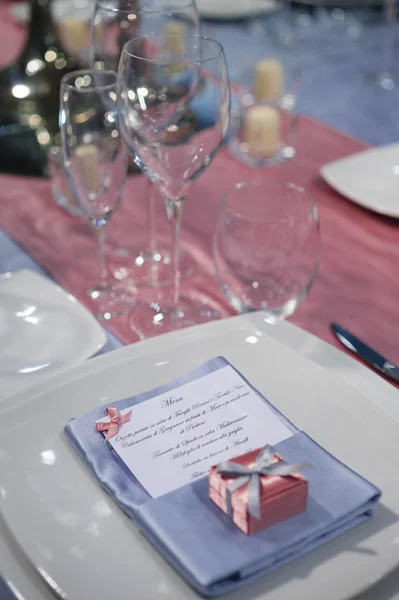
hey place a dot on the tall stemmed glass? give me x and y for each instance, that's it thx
(116, 22)
(95, 162)
(160, 81)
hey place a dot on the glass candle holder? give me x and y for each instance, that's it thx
(264, 122)
(74, 24)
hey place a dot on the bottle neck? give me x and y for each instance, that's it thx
(41, 28)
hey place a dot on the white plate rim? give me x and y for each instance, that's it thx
(92, 345)
(325, 172)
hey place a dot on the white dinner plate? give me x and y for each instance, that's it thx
(43, 330)
(235, 9)
(208, 9)
(81, 541)
(369, 178)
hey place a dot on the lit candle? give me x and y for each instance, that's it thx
(262, 130)
(268, 85)
(75, 34)
(87, 160)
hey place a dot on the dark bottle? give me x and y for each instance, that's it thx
(29, 96)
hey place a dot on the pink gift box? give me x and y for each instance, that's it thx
(280, 497)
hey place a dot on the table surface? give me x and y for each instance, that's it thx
(333, 90)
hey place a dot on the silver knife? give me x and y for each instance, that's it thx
(366, 353)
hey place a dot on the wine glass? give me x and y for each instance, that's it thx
(115, 22)
(174, 112)
(95, 162)
(266, 247)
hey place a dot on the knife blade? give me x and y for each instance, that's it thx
(367, 354)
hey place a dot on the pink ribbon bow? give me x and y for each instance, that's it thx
(112, 427)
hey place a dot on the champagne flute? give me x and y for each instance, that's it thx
(95, 162)
(115, 22)
(162, 80)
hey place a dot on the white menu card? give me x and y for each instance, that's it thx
(174, 438)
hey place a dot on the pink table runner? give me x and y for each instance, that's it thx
(357, 285)
(12, 36)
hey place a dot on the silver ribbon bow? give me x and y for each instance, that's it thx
(263, 466)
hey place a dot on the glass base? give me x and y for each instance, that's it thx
(111, 301)
(150, 269)
(149, 320)
(387, 81)
(240, 151)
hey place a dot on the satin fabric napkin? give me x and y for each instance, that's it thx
(195, 536)
(5, 592)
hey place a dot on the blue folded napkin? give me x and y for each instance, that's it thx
(195, 536)
(5, 592)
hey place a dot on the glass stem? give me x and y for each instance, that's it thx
(176, 213)
(103, 273)
(291, 33)
(152, 225)
(389, 9)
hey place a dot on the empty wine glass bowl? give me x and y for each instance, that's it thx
(267, 247)
(116, 22)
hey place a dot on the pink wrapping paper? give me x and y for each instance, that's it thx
(280, 497)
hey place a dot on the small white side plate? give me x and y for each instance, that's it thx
(369, 178)
(43, 330)
(234, 9)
